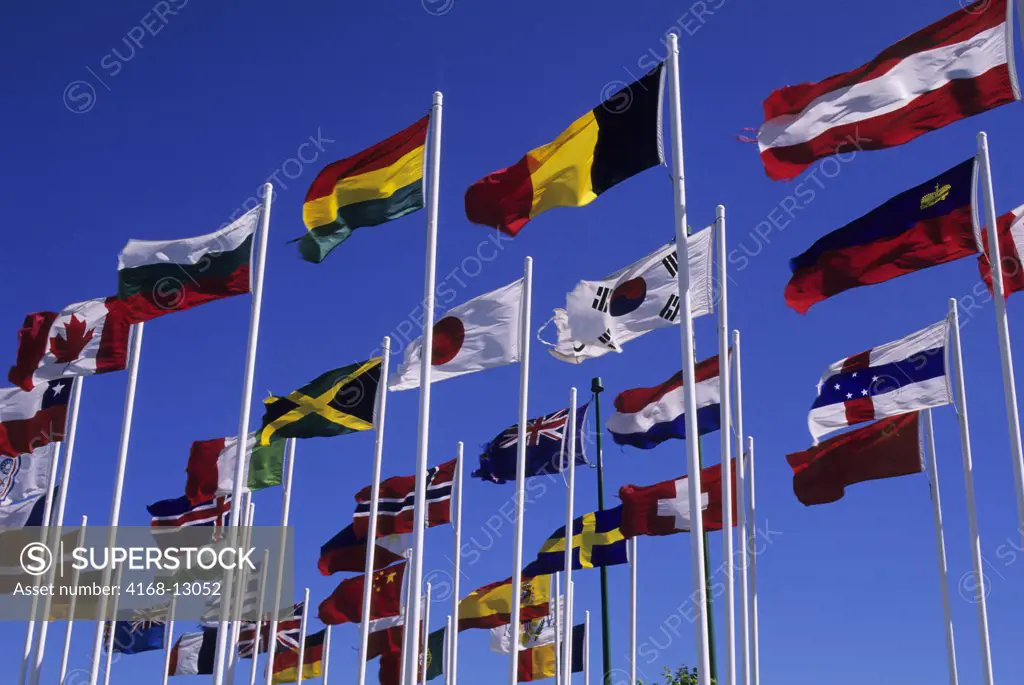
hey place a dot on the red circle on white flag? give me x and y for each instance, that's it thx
(449, 334)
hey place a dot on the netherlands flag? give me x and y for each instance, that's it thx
(951, 70)
(647, 417)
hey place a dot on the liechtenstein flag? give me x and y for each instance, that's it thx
(896, 378)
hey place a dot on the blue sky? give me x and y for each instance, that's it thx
(168, 137)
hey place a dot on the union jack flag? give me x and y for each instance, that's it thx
(288, 629)
(550, 427)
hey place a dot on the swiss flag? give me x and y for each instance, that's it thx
(664, 508)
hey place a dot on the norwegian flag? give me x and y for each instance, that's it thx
(545, 447)
(396, 500)
(287, 633)
(173, 516)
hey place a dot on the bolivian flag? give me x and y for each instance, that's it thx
(335, 403)
(379, 184)
(617, 139)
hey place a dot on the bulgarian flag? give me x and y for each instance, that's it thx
(212, 463)
(157, 277)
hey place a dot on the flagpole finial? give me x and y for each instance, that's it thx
(438, 98)
(982, 139)
(595, 385)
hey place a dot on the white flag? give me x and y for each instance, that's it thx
(480, 334)
(24, 481)
(601, 316)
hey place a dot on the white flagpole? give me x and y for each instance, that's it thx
(303, 627)
(520, 496)
(243, 583)
(755, 635)
(113, 630)
(432, 183)
(558, 629)
(725, 429)
(115, 511)
(66, 652)
(940, 542)
(570, 432)
(425, 631)
(453, 635)
(570, 599)
(1003, 326)
(741, 510)
(260, 605)
(586, 648)
(406, 613)
(448, 656)
(168, 639)
(286, 506)
(379, 414)
(632, 609)
(686, 332)
(960, 397)
(327, 654)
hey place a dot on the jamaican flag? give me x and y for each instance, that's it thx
(335, 403)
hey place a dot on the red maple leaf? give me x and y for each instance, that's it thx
(76, 336)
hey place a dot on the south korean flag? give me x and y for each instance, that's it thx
(600, 316)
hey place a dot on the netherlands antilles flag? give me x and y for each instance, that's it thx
(381, 183)
(951, 70)
(930, 224)
(612, 142)
(896, 378)
(647, 417)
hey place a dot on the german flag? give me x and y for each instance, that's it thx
(616, 140)
(381, 183)
(286, 661)
(491, 605)
(335, 403)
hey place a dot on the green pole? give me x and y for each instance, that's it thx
(606, 649)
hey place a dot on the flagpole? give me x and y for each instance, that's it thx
(558, 629)
(596, 387)
(243, 581)
(453, 635)
(379, 413)
(960, 397)
(686, 330)
(115, 510)
(570, 429)
(741, 510)
(755, 634)
(940, 542)
(168, 639)
(327, 654)
(303, 627)
(586, 648)
(66, 652)
(1003, 326)
(448, 657)
(570, 598)
(286, 506)
(520, 495)
(432, 180)
(260, 605)
(406, 613)
(113, 629)
(243, 422)
(425, 630)
(632, 609)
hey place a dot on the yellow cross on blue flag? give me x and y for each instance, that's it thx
(597, 540)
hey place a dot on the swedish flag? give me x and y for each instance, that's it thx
(596, 541)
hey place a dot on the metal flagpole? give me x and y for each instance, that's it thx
(686, 332)
(755, 636)
(741, 510)
(75, 574)
(570, 598)
(940, 541)
(425, 631)
(243, 422)
(558, 629)
(1003, 326)
(113, 629)
(632, 609)
(169, 639)
(379, 413)
(586, 648)
(286, 506)
(520, 496)
(327, 654)
(448, 655)
(725, 414)
(960, 399)
(432, 183)
(260, 605)
(406, 612)
(115, 511)
(243, 582)
(453, 635)
(303, 627)
(570, 431)
(596, 387)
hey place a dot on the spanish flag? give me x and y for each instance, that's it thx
(616, 140)
(491, 605)
(381, 183)
(286, 661)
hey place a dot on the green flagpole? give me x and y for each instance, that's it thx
(606, 649)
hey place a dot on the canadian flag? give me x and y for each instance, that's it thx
(82, 339)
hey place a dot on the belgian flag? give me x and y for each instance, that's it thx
(616, 140)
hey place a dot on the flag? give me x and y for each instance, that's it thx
(157, 277)
(345, 605)
(898, 377)
(491, 605)
(395, 503)
(884, 449)
(386, 635)
(212, 463)
(145, 633)
(338, 402)
(30, 420)
(286, 661)
(930, 224)
(433, 655)
(597, 540)
(614, 141)
(346, 551)
(194, 653)
(601, 316)
(951, 70)
(82, 339)
(647, 417)
(288, 628)
(532, 633)
(213, 609)
(664, 508)
(1011, 248)
(536, 659)
(477, 335)
(545, 448)
(381, 183)
(173, 515)
(24, 482)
